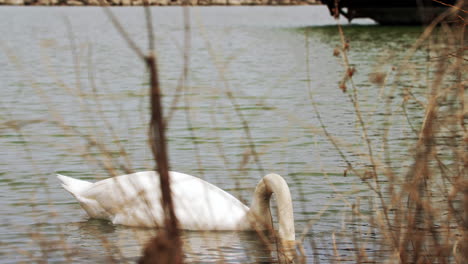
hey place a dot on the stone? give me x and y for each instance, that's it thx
(92, 2)
(74, 3)
(126, 2)
(234, 2)
(219, 2)
(14, 2)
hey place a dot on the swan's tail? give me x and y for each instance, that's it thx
(73, 186)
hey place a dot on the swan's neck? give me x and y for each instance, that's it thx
(260, 212)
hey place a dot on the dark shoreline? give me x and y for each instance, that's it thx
(157, 2)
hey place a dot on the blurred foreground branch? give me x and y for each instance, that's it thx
(166, 246)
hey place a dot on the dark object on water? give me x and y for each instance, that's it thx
(396, 12)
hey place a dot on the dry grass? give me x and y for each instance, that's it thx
(420, 214)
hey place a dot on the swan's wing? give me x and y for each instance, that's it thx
(135, 200)
(132, 200)
(203, 206)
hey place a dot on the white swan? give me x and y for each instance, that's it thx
(135, 200)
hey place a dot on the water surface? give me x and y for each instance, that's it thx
(67, 75)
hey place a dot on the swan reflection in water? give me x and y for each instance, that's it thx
(127, 243)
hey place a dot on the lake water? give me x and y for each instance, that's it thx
(67, 75)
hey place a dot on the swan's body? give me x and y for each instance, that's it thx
(135, 200)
